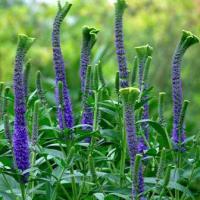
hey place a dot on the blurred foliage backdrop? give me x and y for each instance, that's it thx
(157, 22)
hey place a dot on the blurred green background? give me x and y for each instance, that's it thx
(157, 22)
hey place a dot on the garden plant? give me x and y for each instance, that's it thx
(113, 148)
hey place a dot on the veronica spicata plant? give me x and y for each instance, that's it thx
(120, 6)
(129, 97)
(94, 163)
(59, 65)
(20, 136)
(87, 115)
(187, 40)
(143, 55)
(88, 41)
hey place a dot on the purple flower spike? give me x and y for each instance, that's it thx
(60, 69)
(187, 40)
(138, 180)
(20, 137)
(87, 115)
(119, 43)
(89, 39)
(143, 54)
(129, 96)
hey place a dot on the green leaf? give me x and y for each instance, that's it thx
(122, 196)
(54, 153)
(164, 140)
(177, 186)
(99, 196)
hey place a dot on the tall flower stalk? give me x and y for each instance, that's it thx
(134, 71)
(187, 40)
(87, 115)
(35, 123)
(60, 70)
(88, 41)
(7, 129)
(39, 89)
(120, 6)
(138, 181)
(129, 96)
(144, 59)
(5, 100)
(20, 137)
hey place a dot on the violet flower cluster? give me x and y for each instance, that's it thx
(120, 6)
(129, 96)
(89, 39)
(187, 40)
(66, 121)
(143, 55)
(138, 180)
(20, 136)
(87, 115)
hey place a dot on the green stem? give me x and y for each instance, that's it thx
(32, 164)
(81, 188)
(74, 188)
(123, 148)
(178, 156)
(65, 192)
(22, 186)
(189, 181)
(95, 120)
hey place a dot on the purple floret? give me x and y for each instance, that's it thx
(59, 65)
